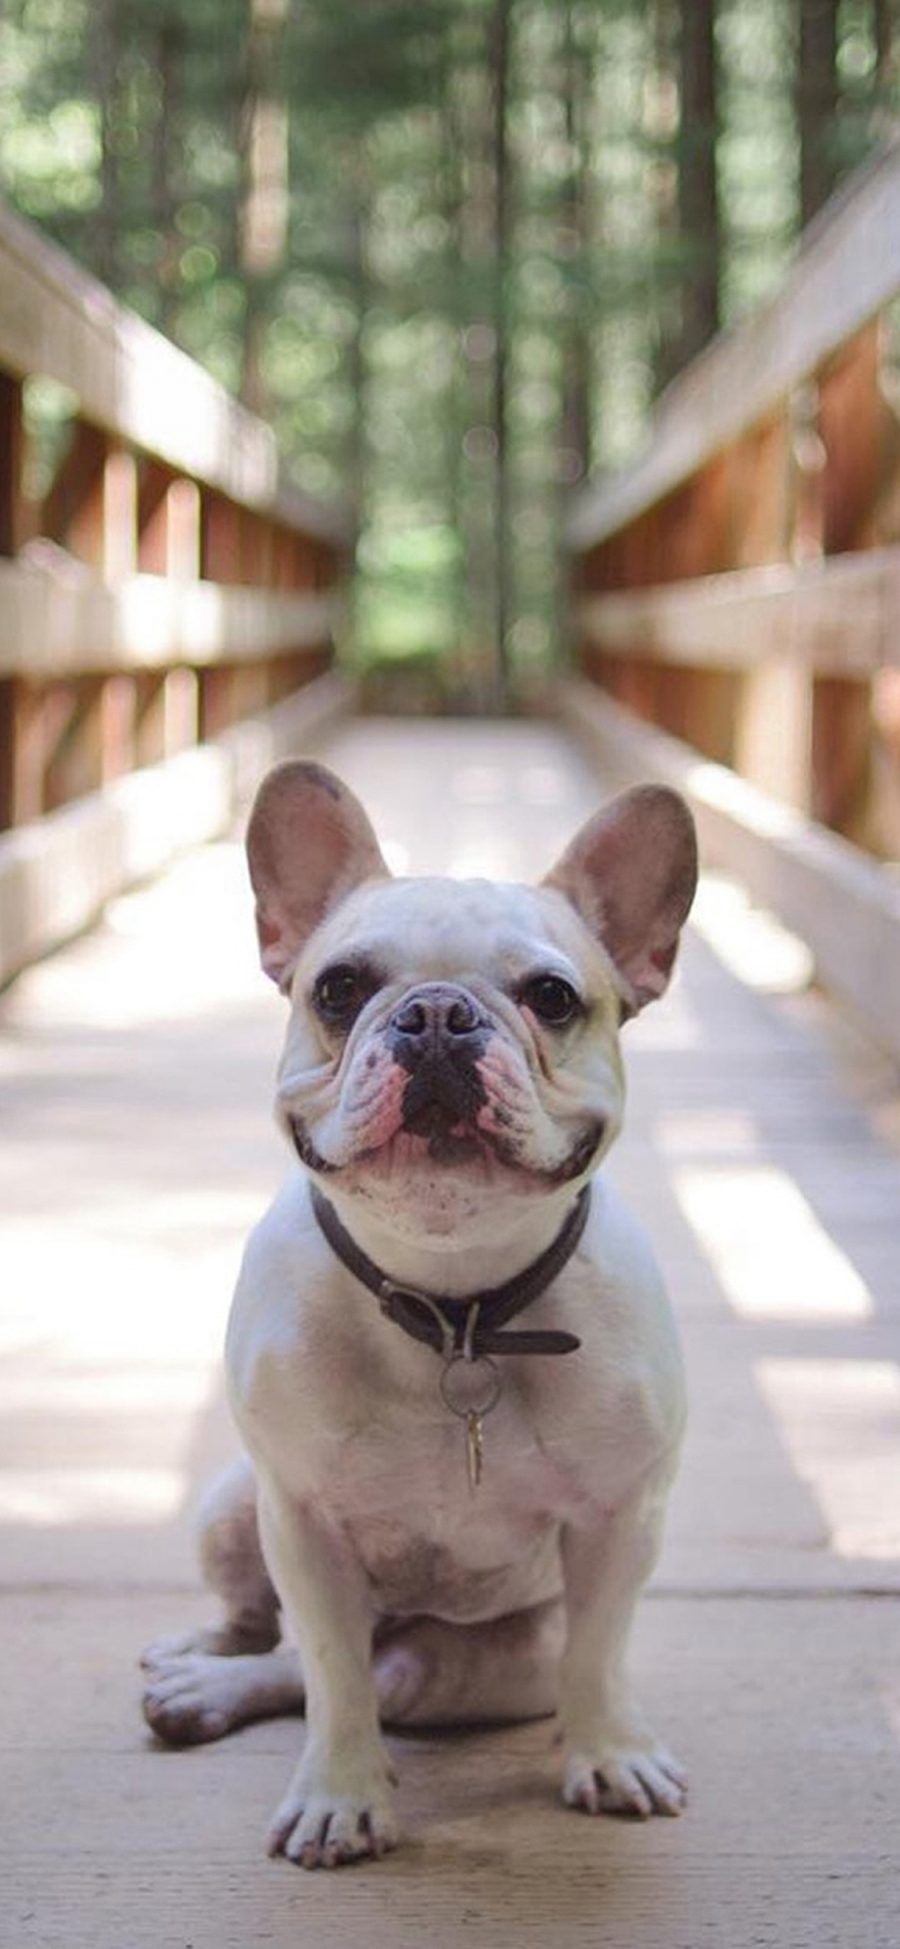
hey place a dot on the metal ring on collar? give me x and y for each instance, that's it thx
(470, 1386)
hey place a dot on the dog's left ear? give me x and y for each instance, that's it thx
(309, 843)
(631, 872)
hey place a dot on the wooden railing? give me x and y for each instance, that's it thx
(738, 586)
(158, 582)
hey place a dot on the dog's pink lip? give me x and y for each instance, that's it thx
(463, 1144)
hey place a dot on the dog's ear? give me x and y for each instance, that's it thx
(631, 872)
(309, 843)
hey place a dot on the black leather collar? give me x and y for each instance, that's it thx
(468, 1326)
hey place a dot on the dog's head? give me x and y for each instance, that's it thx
(454, 1045)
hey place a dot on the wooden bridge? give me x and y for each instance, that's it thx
(167, 619)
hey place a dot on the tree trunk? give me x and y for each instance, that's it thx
(502, 551)
(452, 199)
(816, 102)
(264, 199)
(106, 24)
(698, 204)
(356, 449)
(477, 98)
(169, 55)
(577, 81)
(885, 33)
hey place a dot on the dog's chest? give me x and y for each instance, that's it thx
(428, 1541)
(398, 1487)
(464, 1566)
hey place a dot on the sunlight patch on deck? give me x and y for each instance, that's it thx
(94, 1298)
(706, 1133)
(772, 1256)
(46, 1498)
(479, 785)
(675, 1022)
(840, 1422)
(751, 943)
(107, 1390)
(176, 949)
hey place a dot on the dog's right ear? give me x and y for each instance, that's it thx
(309, 843)
(631, 873)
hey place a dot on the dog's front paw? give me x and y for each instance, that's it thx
(333, 1814)
(629, 1777)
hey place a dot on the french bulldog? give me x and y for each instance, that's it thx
(450, 1354)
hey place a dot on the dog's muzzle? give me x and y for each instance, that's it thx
(439, 1035)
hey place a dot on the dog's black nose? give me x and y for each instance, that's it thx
(436, 1029)
(435, 1013)
(438, 1034)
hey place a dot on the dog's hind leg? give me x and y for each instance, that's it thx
(232, 1563)
(427, 1673)
(233, 1567)
(194, 1696)
(430, 1673)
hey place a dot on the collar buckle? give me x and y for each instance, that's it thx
(391, 1292)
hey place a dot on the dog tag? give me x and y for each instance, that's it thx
(470, 1388)
(474, 1450)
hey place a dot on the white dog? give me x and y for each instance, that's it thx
(450, 1354)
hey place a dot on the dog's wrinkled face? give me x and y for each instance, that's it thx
(453, 1044)
(453, 1030)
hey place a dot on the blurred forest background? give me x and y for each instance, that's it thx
(452, 249)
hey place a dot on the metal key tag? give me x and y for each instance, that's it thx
(474, 1450)
(470, 1389)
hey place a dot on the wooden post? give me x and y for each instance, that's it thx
(183, 531)
(153, 517)
(774, 741)
(27, 749)
(11, 441)
(150, 719)
(181, 710)
(8, 705)
(760, 478)
(120, 515)
(806, 540)
(10, 491)
(117, 727)
(773, 745)
(74, 508)
(170, 525)
(45, 717)
(221, 551)
(841, 753)
(74, 758)
(216, 699)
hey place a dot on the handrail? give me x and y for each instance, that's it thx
(165, 589)
(738, 587)
(845, 270)
(57, 320)
(838, 617)
(167, 582)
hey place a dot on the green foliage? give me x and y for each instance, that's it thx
(446, 346)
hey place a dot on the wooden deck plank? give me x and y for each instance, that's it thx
(788, 1838)
(136, 1069)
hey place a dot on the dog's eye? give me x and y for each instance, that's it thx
(339, 993)
(552, 1000)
